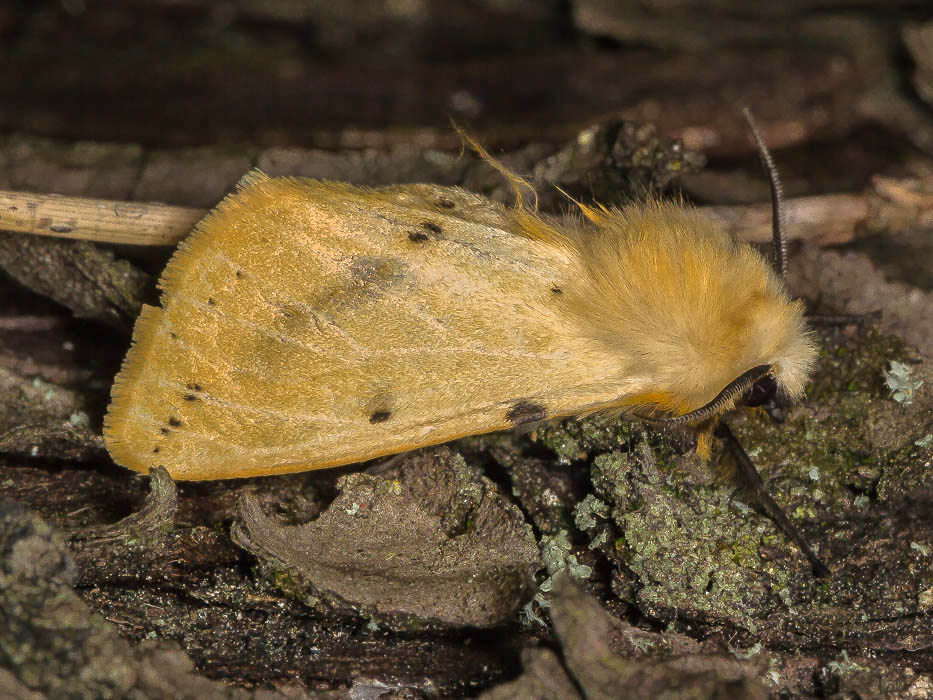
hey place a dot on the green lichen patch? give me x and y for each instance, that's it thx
(579, 440)
(690, 545)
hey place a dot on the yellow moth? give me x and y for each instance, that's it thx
(308, 324)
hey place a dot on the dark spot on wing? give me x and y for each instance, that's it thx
(526, 412)
(190, 397)
(173, 335)
(379, 417)
(557, 290)
(431, 226)
(239, 274)
(164, 431)
(418, 237)
(174, 422)
(445, 203)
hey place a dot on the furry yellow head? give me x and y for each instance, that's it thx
(693, 309)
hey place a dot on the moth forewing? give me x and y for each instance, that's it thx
(310, 324)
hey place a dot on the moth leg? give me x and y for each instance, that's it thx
(752, 487)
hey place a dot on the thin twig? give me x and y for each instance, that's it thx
(825, 220)
(103, 220)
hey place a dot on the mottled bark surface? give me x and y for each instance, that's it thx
(587, 558)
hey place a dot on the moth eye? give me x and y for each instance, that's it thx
(761, 392)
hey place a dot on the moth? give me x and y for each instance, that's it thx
(308, 324)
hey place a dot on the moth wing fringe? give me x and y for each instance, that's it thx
(198, 240)
(250, 179)
(121, 393)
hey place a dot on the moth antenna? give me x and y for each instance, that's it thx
(777, 199)
(750, 483)
(517, 182)
(724, 400)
